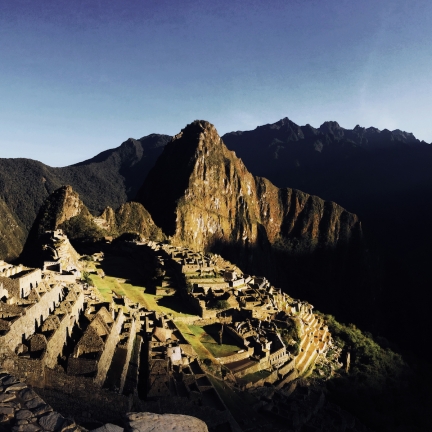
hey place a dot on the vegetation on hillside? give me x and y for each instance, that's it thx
(291, 336)
(82, 227)
(384, 391)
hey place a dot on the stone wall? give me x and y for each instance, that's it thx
(131, 382)
(34, 314)
(70, 395)
(209, 313)
(272, 378)
(217, 285)
(254, 368)
(20, 284)
(69, 278)
(23, 410)
(286, 368)
(11, 286)
(214, 320)
(3, 291)
(237, 337)
(29, 280)
(278, 357)
(32, 371)
(80, 366)
(165, 291)
(129, 347)
(188, 319)
(237, 356)
(110, 346)
(58, 338)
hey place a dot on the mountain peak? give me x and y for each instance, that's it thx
(202, 195)
(331, 127)
(196, 131)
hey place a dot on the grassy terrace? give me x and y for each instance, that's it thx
(209, 338)
(136, 294)
(194, 340)
(204, 343)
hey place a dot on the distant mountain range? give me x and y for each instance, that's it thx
(382, 176)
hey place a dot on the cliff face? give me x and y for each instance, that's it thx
(202, 195)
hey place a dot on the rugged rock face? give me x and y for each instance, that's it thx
(130, 217)
(64, 209)
(62, 205)
(202, 195)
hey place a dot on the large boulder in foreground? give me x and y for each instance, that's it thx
(150, 422)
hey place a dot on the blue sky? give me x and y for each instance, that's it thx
(79, 77)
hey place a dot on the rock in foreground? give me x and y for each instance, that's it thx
(146, 422)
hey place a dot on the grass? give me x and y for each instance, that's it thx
(135, 293)
(192, 336)
(207, 337)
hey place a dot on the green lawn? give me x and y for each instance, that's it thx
(209, 338)
(135, 293)
(191, 335)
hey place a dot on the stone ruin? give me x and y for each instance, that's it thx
(58, 334)
(254, 315)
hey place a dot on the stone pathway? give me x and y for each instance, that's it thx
(21, 409)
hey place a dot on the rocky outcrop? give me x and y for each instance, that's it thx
(130, 217)
(62, 205)
(64, 210)
(202, 195)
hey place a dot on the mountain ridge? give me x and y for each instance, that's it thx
(108, 179)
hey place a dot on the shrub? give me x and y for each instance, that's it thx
(86, 278)
(222, 304)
